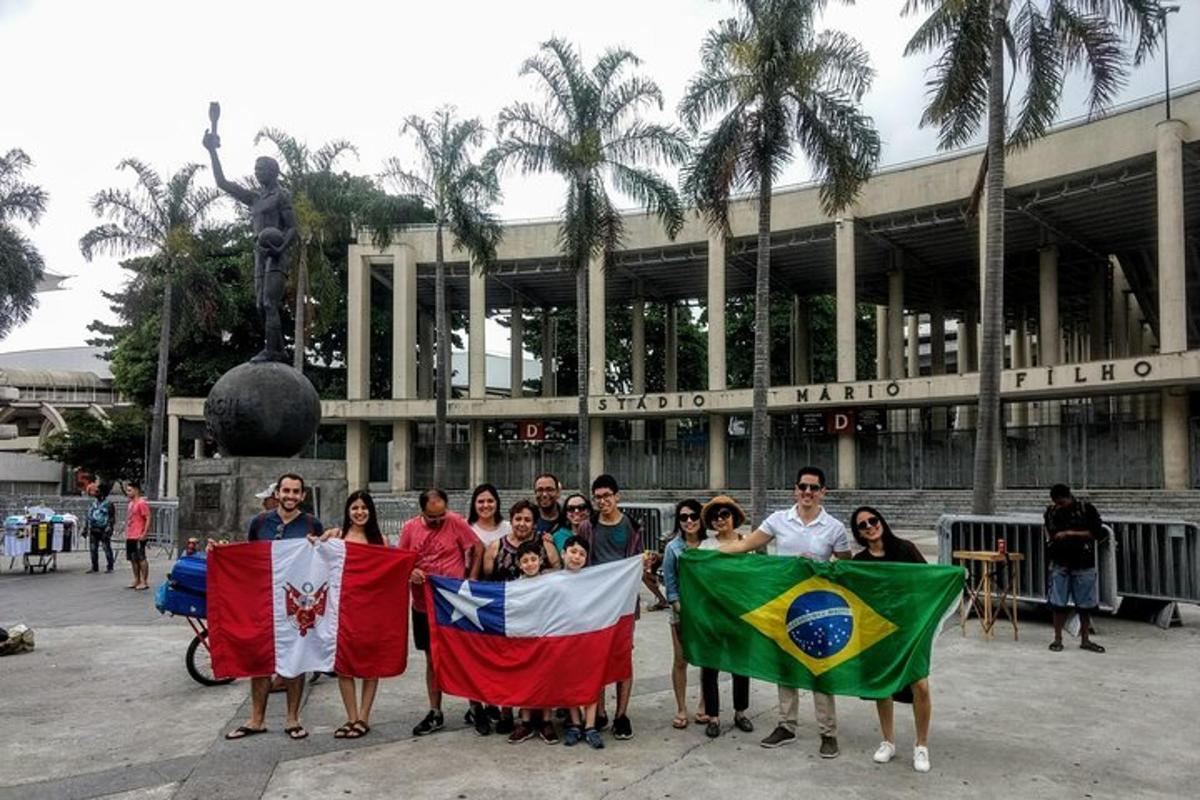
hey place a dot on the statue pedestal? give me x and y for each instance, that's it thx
(216, 495)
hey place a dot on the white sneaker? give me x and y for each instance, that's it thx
(885, 753)
(921, 759)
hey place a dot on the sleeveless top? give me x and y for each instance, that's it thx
(505, 566)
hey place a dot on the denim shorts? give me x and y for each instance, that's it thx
(1073, 584)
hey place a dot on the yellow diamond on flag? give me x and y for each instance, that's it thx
(820, 624)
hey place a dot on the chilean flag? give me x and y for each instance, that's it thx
(289, 607)
(553, 640)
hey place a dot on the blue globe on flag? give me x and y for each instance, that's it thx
(820, 623)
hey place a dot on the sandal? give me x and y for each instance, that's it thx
(296, 733)
(344, 731)
(1092, 647)
(680, 722)
(1056, 647)
(361, 729)
(242, 731)
(701, 718)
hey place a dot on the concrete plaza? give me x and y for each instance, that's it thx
(104, 708)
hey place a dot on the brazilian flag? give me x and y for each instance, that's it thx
(847, 627)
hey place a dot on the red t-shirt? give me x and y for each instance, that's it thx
(137, 519)
(440, 551)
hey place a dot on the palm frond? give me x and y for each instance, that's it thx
(609, 65)
(328, 154)
(842, 144)
(958, 88)
(110, 238)
(717, 167)
(557, 66)
(149, 180)
(1091, 42)
(1043, 60)
(645, 141)
(121, 206)
(843, 64)
(650, 192)
(629, 97)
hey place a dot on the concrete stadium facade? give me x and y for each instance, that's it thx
(1102, 255)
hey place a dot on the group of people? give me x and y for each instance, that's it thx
(100, 523)
(551, 532)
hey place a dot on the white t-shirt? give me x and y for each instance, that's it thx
(818, 540)
(487, 537)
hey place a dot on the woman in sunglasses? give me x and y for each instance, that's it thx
(723, 516)
(578, 511)
(688, 534)
(880, 544)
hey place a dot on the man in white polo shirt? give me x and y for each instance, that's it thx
(808, 531)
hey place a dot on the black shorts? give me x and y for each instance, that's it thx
(135, 549)
(420, 630)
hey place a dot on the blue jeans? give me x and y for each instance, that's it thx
(95, 540)
(1073, 584)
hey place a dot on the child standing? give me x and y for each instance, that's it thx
(575, 558)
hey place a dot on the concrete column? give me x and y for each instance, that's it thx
(1098, 313)
(549, 353)
(717, 449)
(425, 363)
(597, 351)
(972, 340)
(404, 323)
(172, 456)
(1172, 285)
(358, 451)
(197, 449)
(895, 320)
(913, 343)
(800, 372)
(717, 371)
(596, 453)
(962, 363)
(358, 325)
(671, 367)
(516, 356)
(937, 330)
(477, 336)
(881, 343)
(637, 361)
(1020, 411)
(1049, 332)
(400, 471)
(478, 453)
(846, 302)
(1120, 311)
(1175, 438)
(1133, 325)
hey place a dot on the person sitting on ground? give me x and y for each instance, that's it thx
(1073, 529)
(875, 536)
(575, 558)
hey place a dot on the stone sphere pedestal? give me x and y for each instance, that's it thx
(264, 409)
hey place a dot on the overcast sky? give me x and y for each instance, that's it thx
(89, 83)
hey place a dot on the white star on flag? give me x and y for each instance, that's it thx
(464, 603)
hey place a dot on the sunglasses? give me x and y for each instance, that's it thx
(724, 513)
(688, 516)
(867, 524)
(433, 522)
(576, 509)
(809, 487)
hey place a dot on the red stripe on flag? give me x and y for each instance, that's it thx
(241, 614)
(537, 672)
(372, 636)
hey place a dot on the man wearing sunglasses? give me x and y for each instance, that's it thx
(805, 530)
(445, 545)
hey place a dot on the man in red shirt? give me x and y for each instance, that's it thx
(137, 522)
(445, 545)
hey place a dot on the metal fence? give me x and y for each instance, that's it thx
(1091, 455)
(1157, 559)
(516, 464)
(784, 455)
(160, 534)
(656, 521)
(657, 464)
(916, 459)
(1022, 534)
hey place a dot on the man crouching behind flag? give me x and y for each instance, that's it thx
(506, 643)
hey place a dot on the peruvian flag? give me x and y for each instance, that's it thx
(289, 607)
(553, 640)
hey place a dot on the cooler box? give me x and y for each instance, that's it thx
(190, 574)
(169, 600)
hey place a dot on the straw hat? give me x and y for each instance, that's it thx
(722, 501)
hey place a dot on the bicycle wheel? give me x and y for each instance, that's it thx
(199, 664)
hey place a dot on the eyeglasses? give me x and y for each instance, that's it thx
(689, 517)
(600, 498)
(724, 513)
(576, 509)
(809, 487)
(867, 524)
(544, 491)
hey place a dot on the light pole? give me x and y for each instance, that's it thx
(1167, 54)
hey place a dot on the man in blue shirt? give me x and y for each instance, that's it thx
(286, 521)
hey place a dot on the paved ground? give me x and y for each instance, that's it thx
(104, 708)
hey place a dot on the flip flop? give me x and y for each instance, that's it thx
(296, 733)
(242, 731)
(680, 722)
(360, 729)
(344, 731)
(701, 718)
(1092, 647)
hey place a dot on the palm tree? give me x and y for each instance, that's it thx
(21, 265)
(309, 177)
(778, 85)
(1044, 40)
(588, 132)
(459, 191)
(162, 221)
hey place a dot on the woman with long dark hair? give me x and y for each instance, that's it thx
(484, 515)
(578, 511)
(687, 534)
(871, 531)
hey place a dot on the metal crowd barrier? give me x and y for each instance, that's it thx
(1023, 534)
(655, 519)
(1157, 559)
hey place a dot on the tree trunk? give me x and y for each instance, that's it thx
(581, 347)
(158, 417)
(442, 378)
(987, 435)
(760, 423)
(301, 290)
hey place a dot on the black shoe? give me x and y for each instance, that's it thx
(433, 722)
(778, 737)
(548, 734)
(93, 569)
(601, 721)
(743, 723)
(712, 730)
(483, 725)
(829, 747)
(493, 713)
(109, 569)
(469, 716)
(521, 733)
(621, 728)
(505, 724)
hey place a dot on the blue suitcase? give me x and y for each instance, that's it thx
(170, 600)
(190, 573)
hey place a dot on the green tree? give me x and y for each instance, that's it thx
(162, 220)
(778, 85)
(587, 131)
(460, 193)
(21, 265)
(1044, 40)
(109, 448)
(317, 196)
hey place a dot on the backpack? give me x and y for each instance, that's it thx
(98, 515)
